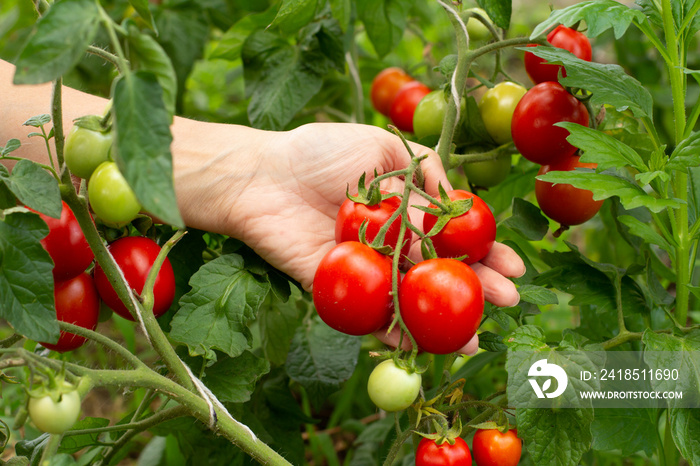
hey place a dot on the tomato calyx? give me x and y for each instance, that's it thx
(365, 196)
(94, 123)
(52, 385)
(444, 433)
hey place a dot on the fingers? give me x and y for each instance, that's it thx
(392, 339)
(505, 261)
(498, 290)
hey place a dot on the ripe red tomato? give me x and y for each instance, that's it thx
(441, 303)
(135, 256)
(352, 214)
(352, 289)
(534, 133)
(66, 245)
(385, 86)
(405, 103)
(562, 202)
(430, 453)
(563, 38)
(471, 234)
(77, 303)
(492, 448)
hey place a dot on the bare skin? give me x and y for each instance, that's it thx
(279, 192)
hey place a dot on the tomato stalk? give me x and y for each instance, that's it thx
(51, 448)
(456, 160)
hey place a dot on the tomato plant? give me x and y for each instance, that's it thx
(352, 214)
(432, 453)
(534, 133)
(66, 244)
(77, 303)
(497, 106)
(111, 198)
(393, 388)
(352, 289)
(471, 234)
(405, 103)
(442, 302)
(429, 114)
(135, 256)
(86, 149)
(56, 412)
(385, 86)
(490, 447)
(564, 38)
(562, 202)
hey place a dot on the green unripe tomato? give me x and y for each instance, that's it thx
(85, 150)
(392, 388)
(476, 29)
(430, 113)
(55, 416)
(497, 106)
(488, 173)
(111, 197)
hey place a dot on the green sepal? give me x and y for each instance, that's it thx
(93, 123)
(371, 196)
(454, 209)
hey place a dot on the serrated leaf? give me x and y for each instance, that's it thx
(278, 324)
(544, 433)
(143, 141)
(34, 187)
(602, 148)
(527, 220)
(141, 7)
(685, 428)
(233, 380)
(385, 22)
(26, 278)
(74, 443)
(646, 232)
(599, 15)
(342, 11)
(527, 338)
(498, 10)
(537, 295)
(609, 84)
(669, 352)
(145, 53)
(491, 342)
(216, 312)
(294, 15)
(499, 316)
(38, 121)
(321, 359)
(604, 186)
(58, 41)
(626, 429)
(230, 45)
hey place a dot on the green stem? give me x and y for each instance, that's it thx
(460, 159)
(670, 450)
(104, 341)
(51, 448)
(357, 94)
(58, 137)
(396, 447)
(622, 338)
(121, 61)
(660, 441)
(105, 55)
(11, 340)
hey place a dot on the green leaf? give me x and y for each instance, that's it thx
(38, 121)
(26, 280)
(342, 11)
(537, 295)
(646, 232)
(233, 380)
(231, 43)
(294, 15)
(669, 352)
(491, 342)
(278, 324)
(385, 22)
(11, 146)
(146, 54)
(74, 443)
(604, 186)
(599, 15)
(321, 359)
(686, 154)
(498, 10)
(609, 84)
(141, 7)
(555, 438)
(685, 428)
(143, 144)
(527, 338)
(527, 220)
(602, 148)
(626, 429)
(58, 42)
(216, 312)
(34, 187)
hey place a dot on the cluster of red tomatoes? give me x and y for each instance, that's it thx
(539, 141)
(490, 447)
(77, 293)
(441, 299)
(396, 94)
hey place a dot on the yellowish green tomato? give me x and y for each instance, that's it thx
(497, 106)
(488, 173)
(476, 29)
(55, 416)
(111, 197)
(430, 113)
(85, 150)
(392, 388)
